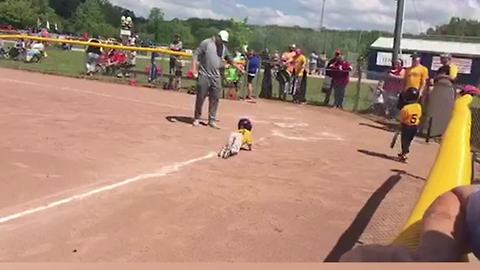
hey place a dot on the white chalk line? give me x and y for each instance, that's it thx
(164, 171)
(261, 139)
(290, 125)
(323, 136)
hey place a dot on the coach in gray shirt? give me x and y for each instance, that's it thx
(210, 56)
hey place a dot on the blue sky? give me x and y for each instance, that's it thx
(341, 14)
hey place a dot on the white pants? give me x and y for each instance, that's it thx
(235, 142)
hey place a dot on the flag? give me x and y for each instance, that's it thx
(48, 25)
(56, 27)
(39, 23)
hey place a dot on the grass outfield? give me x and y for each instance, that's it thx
(71, 63)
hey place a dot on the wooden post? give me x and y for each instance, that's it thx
(359, 83)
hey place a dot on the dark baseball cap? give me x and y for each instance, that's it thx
(446, 55)
(416, 55)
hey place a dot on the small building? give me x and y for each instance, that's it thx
(465, 55)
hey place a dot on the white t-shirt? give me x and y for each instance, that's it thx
(38, 46)
(379, 96)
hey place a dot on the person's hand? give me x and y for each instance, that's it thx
(443, 236)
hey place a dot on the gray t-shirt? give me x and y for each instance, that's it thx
(210, 58)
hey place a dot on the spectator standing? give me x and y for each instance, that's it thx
(392, 88)
(267, 85)
(327, 84)
(322, 62)
(300, 67)
(313, 63)
(287, 70)
(288, 58)
(254, 63)
(93, 56)
(210, 55)
(448, 70)
(340, 72)
(415, 77)
(176, 46)
(281, 74)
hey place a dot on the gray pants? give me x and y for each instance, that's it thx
(211, 88)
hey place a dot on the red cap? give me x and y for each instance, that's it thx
(471, 90)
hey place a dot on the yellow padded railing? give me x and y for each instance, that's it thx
(452, 168)
(103, 45)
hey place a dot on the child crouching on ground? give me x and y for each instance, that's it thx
(410, 120)
(379, 103)
(238, 140)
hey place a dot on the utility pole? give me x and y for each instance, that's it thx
(397, 41)
(322, 18)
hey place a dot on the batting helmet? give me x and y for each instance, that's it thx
(245, 123)
(411, 95)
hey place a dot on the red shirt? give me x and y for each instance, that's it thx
(340, 73)
(119, 58)
(394, 85)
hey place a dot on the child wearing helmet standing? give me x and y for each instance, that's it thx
(238, 140)
(410, 116)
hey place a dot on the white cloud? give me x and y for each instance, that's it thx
(380, 14)
(340, 14)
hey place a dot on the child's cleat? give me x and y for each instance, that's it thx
(227, 153)
(222, 152)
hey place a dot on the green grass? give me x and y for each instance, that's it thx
(72, 64)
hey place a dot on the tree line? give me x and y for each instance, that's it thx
(102, 18)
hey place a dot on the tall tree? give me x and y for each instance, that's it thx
(65, 8)
(240, 33)
(89, 18)
(154, 25)
(19, 13)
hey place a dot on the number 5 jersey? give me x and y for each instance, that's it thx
(411, 114)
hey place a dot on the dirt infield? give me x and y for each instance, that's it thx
(97, 172)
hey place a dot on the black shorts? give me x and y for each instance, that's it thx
(231, 85)
(250, 78)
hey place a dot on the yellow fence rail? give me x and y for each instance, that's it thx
(452, 168)
(103, 45)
